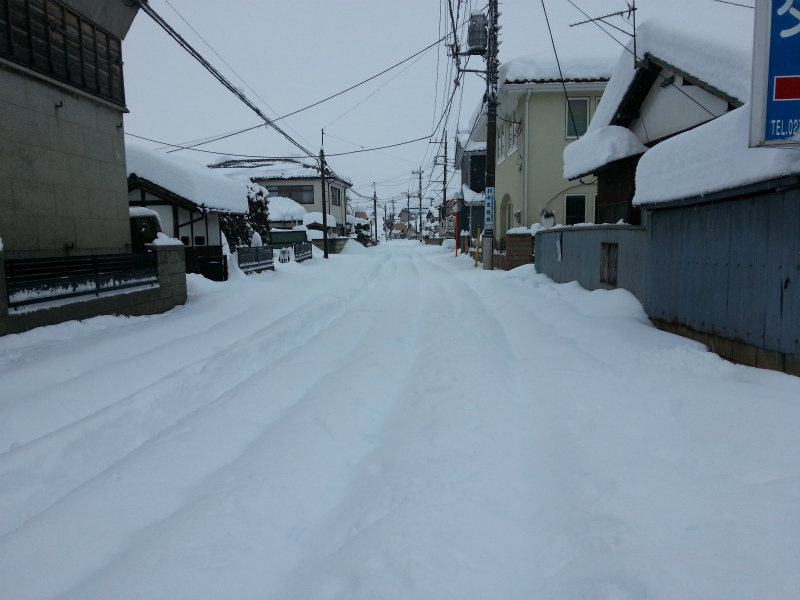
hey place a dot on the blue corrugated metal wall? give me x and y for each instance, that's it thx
(729, 268)
(581, 256)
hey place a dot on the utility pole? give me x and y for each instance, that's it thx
(375, 211)
(444, 187)
(420, 206)
(324, 207)
(492, 65)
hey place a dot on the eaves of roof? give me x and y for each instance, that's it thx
(140, 183)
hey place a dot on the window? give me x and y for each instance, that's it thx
(577, 117)
(302, 194)
(575, 209)
(597, 102)
(336, 197)
(501, 143)
(53, 39)
(513, 132)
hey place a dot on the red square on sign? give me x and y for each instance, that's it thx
(787, 88)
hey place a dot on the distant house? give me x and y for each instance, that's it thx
(189, 199)
(536, 121)
(298, 179)
(62, 169)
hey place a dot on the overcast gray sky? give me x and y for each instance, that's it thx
(291, 53)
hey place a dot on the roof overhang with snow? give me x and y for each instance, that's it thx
(185, 183)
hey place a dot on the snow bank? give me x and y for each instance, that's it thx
(316, 218)
(162, 239)
(600, 147)
(710, 158)
(185, 178)
(285, 209)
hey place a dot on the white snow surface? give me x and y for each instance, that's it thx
(316, 217)
(471, 197)
(710, 158)
(720, 54)
(284, 435)
(162, 239)
(600, 147)
(543, 67)
(186, 178)
(285, 209)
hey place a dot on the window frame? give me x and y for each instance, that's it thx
(501, 143)
(566, 208)
(338, 196)
(568, 120)
(286, 191)
(513, 133)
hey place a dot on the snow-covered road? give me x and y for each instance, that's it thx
(392, 423)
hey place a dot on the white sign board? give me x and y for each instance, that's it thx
(488, 214)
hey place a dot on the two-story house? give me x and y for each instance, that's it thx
(299, 179)
(542, 109)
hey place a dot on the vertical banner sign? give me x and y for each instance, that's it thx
(488, 215)
(775, 118)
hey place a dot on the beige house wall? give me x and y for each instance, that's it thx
(543, 115)
(63, 182)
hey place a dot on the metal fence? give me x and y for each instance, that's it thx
(255, 259)
(35, 280)
(302, 251)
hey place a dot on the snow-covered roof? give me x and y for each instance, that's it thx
(711, 158)
(284, 168)
(718, 55)
(187, 179)
(471, 197)
(470, 145)
(285, 209)
(316, 217)
(598, 148)
(543, 68)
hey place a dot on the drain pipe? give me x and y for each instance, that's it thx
(525, 162)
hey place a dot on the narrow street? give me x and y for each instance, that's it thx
(392, 423)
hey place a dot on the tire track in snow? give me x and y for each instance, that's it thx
(305, 424)
(33, 476)
(425, 485)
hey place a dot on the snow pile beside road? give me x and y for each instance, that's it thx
(331, 431)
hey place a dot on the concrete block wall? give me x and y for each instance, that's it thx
(170, 293)
(63, 181)
(335, 245)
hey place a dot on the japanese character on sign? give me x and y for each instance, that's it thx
(787, 7)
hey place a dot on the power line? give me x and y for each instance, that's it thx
(636, 57)
(227, 65)
(211, 69)
(733, 3)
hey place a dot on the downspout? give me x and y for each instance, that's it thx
(526, 161)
